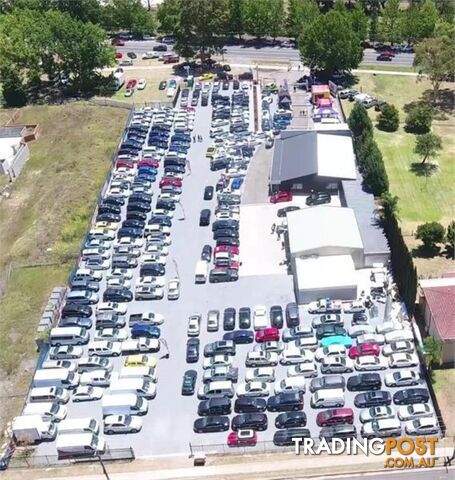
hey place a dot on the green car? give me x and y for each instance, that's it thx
(337, 340)
(189, 382)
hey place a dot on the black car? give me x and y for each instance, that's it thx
(109, 208)
(373, 399)
(160, 220)
(235, 84)
(208, 193)
(229, 224)
(245, 317)
(225, 233)
(254, 421)
(113, 201)
(229, 319)
(160, 48)
(131, 55)
(162, 85)
(174, 169)
(324, 331)
(285, 437)
(133, 223)
(130, 232)
(250, 405)
(285, 402)
(290, 419)
(276, 316)
(292, 315)
(138, 207)
(204, 218)
(165, 205)
(108, 217)
(117, 294)
(192, 350)
(364, 382)
(206, 253)
(359, 319)
(215, 406)
(240, 337)
(152, 270)
(384, 58)
(211, 424)
(76, 310)
(338, 431)
(136, 215)
(411, 395)
(189, 382)
(231, 241)
(318, 198)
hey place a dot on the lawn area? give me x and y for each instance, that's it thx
(422, 198)
(444, 387)
(389, 68)
(44, 221)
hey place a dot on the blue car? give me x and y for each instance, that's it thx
(172, 84)
(147, 170)
(337, 340)
(236, 183)
(144, 177)
(240, 336)
(148, 331)
(178, 148)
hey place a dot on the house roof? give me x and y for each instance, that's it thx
(12, 132)
(440, 298)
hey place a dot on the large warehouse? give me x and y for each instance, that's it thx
(326, 249)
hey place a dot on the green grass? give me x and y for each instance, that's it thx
(444, 387)
(389, 68)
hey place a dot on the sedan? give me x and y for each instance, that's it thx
(276, 316)
(303, 369)
(118, 294)
(373, 399)
(377, 413)
(364, 349)
(194, 325)
(173, 289)
(86, 393)
(122, 424)
(240, 336)
(261, 374)
(296, 355)
(112, 334)
(416, 410)
(398, 360)
(411, 395)
(192, 350)
(253, 389)
(323, 353)
(244, 316)
(403, 378)
(337, 365)
(229, 319)
(370, 363)
(398, 347)
(65, 352)
(217, 360)
(189, 382)
(422, 426)
(211, 424)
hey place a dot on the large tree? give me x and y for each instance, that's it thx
(130, 15)
(331, 43)
(300, 13)
(257, 17)
(236, 22)
(359, 22)
(391, 22)
(168, 16)
(276, 18)
(436, 58)
(428, 16)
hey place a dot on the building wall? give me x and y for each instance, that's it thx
(370, 259)
(341, 293)
(304, 185)
(19, 161)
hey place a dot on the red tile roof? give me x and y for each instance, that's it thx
(441, 302)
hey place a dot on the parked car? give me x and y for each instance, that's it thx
(189, 382)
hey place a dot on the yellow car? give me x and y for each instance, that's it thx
(210, 152)
(206, 76)
(108, 225)
(140, 361)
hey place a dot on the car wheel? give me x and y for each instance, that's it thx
(110, 432)
(134, 430)
(115, 354)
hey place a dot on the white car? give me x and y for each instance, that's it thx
(261, 374)
(128, 92)
(399, 335)
(422, 426)
(140, 345)
(291, 384)
(65, 352)
(173, 289)
(330, 351)
(269, 347)
(292, 356)
(354, 307)
(334, 364)
(122, 424)
(307, 370)
(213, 320)
(387, 327)
(112, 334)
(253, 389)
(217, 360)
(96, 378)
(397, 360)
(370, 363)
(416, 410)
(358, 330)
(150, 281)
(97, 264)
(398, 347)
(154, 258)
(259, 359)
(194, 325)
(125, 273)
(119, 308)
(259, 317)
(141, 84)
(118, 282)
(402, 378)
(157, 249)
(129, 241)
(227, 216)
(376, 413)
(118, 192)
(86, 393)
(370, 338)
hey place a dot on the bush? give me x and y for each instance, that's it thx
(375, 175)
(419, 119)
(359, 122)
(450, 237)
(14, 93)
(388, 119)
(430, 233)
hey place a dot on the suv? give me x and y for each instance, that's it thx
(250, 405)
(285, 402)
(364, 381)
(335, 416)
(219, 347)
(285, 437)
(292, 315)
(255, 421)
(338, 431)
(215, 406)
(290, 419)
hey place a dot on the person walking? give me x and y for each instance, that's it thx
(273, 228)
(194, 138)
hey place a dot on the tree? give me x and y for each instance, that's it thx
(128, 15)
(359, 121)
(419, 119)
(427, 145)
(390, 25)
(436, 58)
(300, 13)
(374, 172)
(276, 17)
(388, 119)
(410, 23)
(430, 233)
(257, 17)
(330, 43)
(433, 351)
(389, 204)
(446, 9)
(450, 236)
(168, 16)
(236, 23)
(428, 16)
(374, 27)
(359, 22)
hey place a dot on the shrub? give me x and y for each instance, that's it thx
(419, 119)
(359, 121)
(430, 233)
(388, 119)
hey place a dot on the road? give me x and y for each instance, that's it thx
(246, 55)
(429, 474)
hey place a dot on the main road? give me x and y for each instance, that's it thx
(239, 54)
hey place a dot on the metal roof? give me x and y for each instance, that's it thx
(12, 132)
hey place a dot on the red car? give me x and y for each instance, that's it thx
(175, 182)
(364, 349)
(227, 264)
(242, 438)
(118, 42)
(226, 248)
(281, 197)
(118, 55)
(149, 163)
(336, 416)
(131, 84)
(125, 164)
(388, 53)
(190, 109)
(270, 334)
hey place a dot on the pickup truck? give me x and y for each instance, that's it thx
(149, 318)
(140, 345)
(325, 306)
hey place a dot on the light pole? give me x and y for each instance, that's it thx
(104, 468)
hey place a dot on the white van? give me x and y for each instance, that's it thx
(216, 389)
(68, 336)
(47, 410)
(124, 404)
(105, 348)
(80, 444)
(55, 377)
(147, 373)
(328, 398)
(138, 386)
(49, 394)
(202, 270)
(79, 425)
